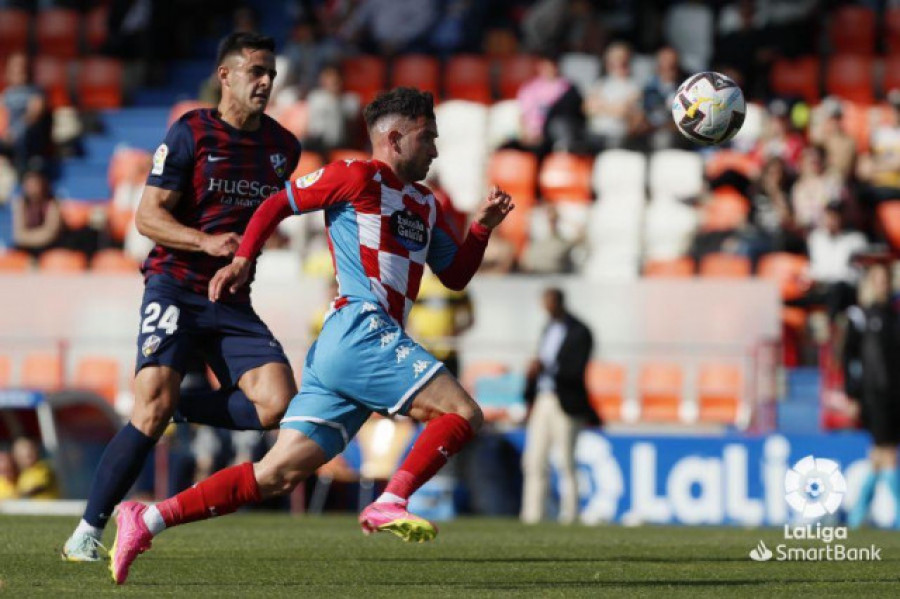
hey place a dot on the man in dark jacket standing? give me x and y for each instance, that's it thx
(559, 407)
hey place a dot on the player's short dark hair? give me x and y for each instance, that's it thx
(234, 43)
(407, 102)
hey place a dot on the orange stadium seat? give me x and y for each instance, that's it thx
(52, 75)
(730, 160)
(892, 30)
(111, 260)
(14, 261)
(851, 77)
(891, 73)
(98, 374)
(364, 75)
(660, 388)
(513, 72)
(42, 371)
(100, 83)
(119, 221)
(719, 392)
(478, 369)
(852, 30)
(13, 31)
(76, 214)
(516, 172)
(796, 78)
(467, 77)
(56, 32)
(185, 106)
(308, 163)
(129, 165)
(348, 154)
(62, 261)
(419, 71)
(725, 211)
(295, 118)
(606, 389)
(5, 367)
(725, 266)
(565, 177)
(516, 228)
(95, 32)
(4, 122)
(889, 219)
(789, 271)
(679, 268)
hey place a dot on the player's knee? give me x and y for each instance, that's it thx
(472, 413)
(284, 481)
(271, 411)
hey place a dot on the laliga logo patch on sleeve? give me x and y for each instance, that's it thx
(159, 159)
(307, 180)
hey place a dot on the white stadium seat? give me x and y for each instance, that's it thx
(668, 228)
(462, 145)
(581, 69)
(676, 174)
(504, 123)
(619, 171)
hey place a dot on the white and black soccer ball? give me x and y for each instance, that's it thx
(709, 108)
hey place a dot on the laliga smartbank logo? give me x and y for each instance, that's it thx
(814, 488)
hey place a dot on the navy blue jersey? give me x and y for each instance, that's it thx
(223, 174)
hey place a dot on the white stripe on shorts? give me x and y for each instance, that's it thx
(419, 384)
(335, 425)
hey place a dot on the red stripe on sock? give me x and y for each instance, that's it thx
(442, 438)
(222, 493)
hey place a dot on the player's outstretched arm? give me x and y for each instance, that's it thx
(495, 208)
(154, 219)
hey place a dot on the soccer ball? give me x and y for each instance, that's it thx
(709, 108)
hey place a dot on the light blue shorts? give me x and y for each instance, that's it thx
(362, 362)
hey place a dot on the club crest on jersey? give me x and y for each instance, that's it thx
(279, 161)
(159, 159)
(409, 229)
(307, 180)
(151, 344)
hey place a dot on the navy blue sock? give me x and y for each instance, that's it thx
(223, 408)
(118, 469)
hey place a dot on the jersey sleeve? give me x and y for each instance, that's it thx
(453, 262)
(173, 161)
(332, 184)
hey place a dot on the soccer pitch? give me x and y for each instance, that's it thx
(252, 555)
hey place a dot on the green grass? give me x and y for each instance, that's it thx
(278, 555)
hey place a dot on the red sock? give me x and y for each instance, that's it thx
(442, 438)
(220, 494)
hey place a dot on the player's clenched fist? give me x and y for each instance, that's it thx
(231, 277)
(224, 244)
(495, 208)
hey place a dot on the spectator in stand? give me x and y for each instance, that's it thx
(872, 379)
(558, 407)
(779, 138)
(814, 189)
(375, 25)
(30, 122)
(656, 123)
(831, 251)
(37, 220)
(36, 478)
(611, 103)
(332, 113)
(744, 45)
(551, 254)
(879, 172)
(307, 54)
(839, 146)
(771, 212)
(7, 476)
(547, 102)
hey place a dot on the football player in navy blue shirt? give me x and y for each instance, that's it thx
(214, 168)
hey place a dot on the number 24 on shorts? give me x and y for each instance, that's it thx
(168, 322)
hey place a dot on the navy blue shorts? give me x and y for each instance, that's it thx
(178, 324)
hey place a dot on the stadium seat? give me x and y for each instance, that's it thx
(889, 219)
(606, 389)
(789, 271)
(752, 130)
(581, 69)
(477, 369)
(56, 32)
(676, 174)
(348, 154)
(467, 77)
(76, 214)
(852, 30)
(119, 221)
(52, 75)
(95, 23)
(98, 374)
(309, 162)
(111, 260)
(13, 31)
(4, 122)
(678, 268)
(62, 261)
(463, 152)
(513, 71)
(892, 31)
(719, 392)
(891, 73)
(515, 172)
(295, 118)
(725, 211)
(5, 366)
(42, 371)
(619, 172)
(504, 123)
(669, 227)
(14, 261)
(851, 77)
(179, 109)
(364, 75)
(660, 389)
(417, 70)
(565, 177)
(725, 266)
(722, 161)
(516, 228)
(100, 83)
(798, 78)
(129, 165)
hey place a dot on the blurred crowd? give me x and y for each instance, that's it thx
(25, 474)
